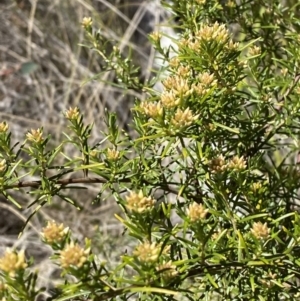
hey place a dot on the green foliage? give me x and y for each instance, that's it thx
(209, 185)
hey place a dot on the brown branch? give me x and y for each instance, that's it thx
(64, 182)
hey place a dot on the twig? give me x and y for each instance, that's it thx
(65, 182)
(36, 184)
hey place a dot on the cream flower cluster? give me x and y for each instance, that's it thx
(35, 136)
(196, 212)
(138, 202)
(209, 33)
(175, 104)
(149, 252)
(13, 261)
(3, 127)
(73, 256)
(54, 233)
(260, 230)
(219, 164)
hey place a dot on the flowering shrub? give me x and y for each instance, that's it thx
(209, 184)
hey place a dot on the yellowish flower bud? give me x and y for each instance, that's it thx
(147, 253)
(112, 154)
(267, 281)
(156, 36)
(284, 71)
(54, 233)
(260, 230)
(233, 46)
(207, 80)
(218, 164)
(3, 165)
(3, 127)
(183, 71)
(196, 212)
(211, 127)
(216, 32)
(254, 51)
(181, 86)
(231, 4)
(169, 82)
(137, 202)
(12, 262)
(169, 99)
(35, 136)
(199, 89)
(167, 270)
(73, 256)
(255, 186)
(86, 22)
(94, 153)
(183, 118)
(174, 62)
(151, 109)
(72, 113)
(237, 163)
(216, 235)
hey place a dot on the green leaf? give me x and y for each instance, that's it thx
(13, 169)
(27, 68)
(133, 229)
(90, 166)
(251, 217)
(232, 130)
(242, 246)
(166, 148)
(277, 283)
(284, 216)
(255, 263)
(55, 152)
(71, 297)
(152, 290)
(69, 200)
(211, 280)
(9, 197)
(252, 283)
(249, 44)
(31, 215)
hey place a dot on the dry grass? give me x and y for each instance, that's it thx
(48, 33)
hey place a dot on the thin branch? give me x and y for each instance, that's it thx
(64, 182)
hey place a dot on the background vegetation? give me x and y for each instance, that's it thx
(42, 73)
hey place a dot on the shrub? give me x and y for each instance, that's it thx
(209, 185)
